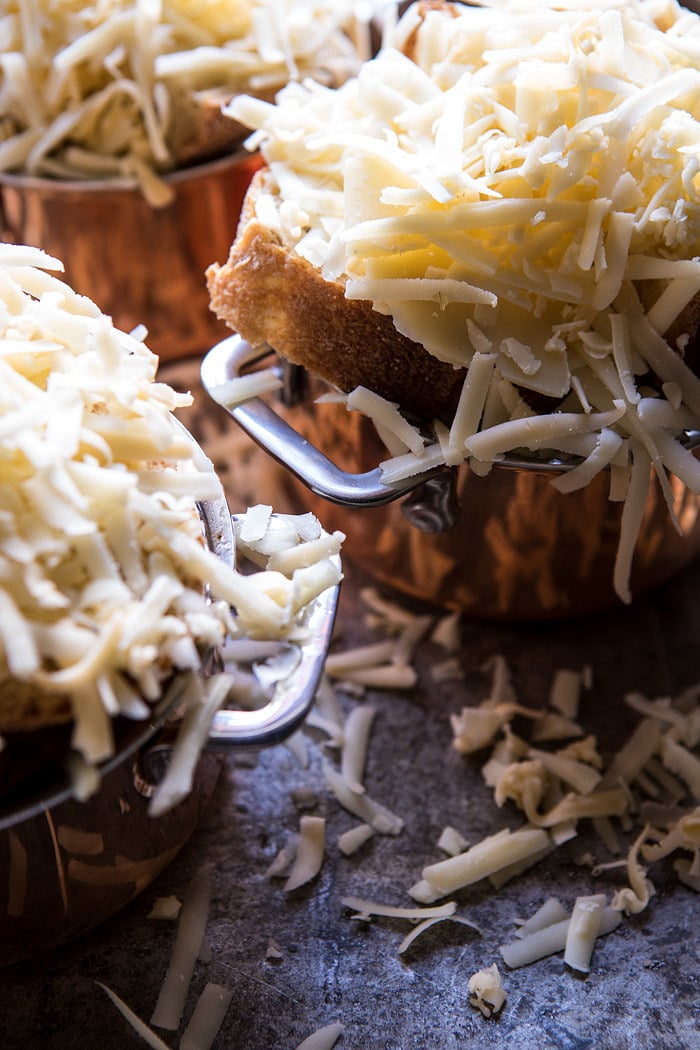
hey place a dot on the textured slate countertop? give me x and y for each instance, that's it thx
(644, 988)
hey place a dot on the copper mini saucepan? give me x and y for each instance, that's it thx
(66, 865)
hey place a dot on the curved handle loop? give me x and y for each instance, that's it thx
(232, 355)
(292, 697)
(227, 360)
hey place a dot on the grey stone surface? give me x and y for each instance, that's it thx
(644, 988)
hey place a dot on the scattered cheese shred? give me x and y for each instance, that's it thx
(366, 908)
(207, 1017)
(191, 925)
(139, 1026)
(584, 926)
(352, 840)
(485, 858)
(309, 853)
(359, 803)
(357, 728)
(486, 992)
(427, 924)
(323, 1038)
(424, 918)
(551, 911)
(551, 939)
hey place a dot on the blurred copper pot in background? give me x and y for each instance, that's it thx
(140, 264)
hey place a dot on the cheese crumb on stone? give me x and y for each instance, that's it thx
(486, 992)
(165, 908)
(452, 841)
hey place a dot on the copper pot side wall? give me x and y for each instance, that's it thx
(519, 550)
(140, 265)
(73, 866)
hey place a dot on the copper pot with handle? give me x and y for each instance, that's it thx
(66, 865)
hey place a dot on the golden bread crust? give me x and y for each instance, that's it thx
(268, 294)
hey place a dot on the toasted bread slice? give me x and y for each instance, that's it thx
(269, 294)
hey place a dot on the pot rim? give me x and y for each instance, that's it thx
(203, 169)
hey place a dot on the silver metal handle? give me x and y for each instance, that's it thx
(231, 356)
(292, 696)
(282, 715)
(227, 360)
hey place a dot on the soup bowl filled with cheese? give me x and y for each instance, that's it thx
(493, 234)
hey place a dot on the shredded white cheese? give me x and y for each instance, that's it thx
(110, 601)
(96, 90)
(603, 791)
(507, 193)
(361, 805)
(323, 1038)
(140, 1027)
(352, 840)
(207, 1017)
(551, 939)
(584, 926)
(191, 925)
(551, 911)
(479, 861)
(309, 852)
(486, 992)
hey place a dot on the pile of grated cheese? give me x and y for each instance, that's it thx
(95, 90)
(522, 197)
(107, 588)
